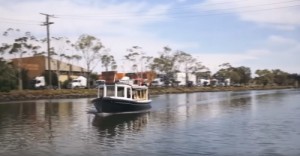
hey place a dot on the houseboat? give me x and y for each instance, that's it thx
(122, 98)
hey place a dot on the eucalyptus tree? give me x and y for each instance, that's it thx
(265, 76)
(224, 72)
(8, 75)
(244, 74)
(206, 74)
(61, 51)
(23, 44)
(276, 76)
(134, 56)
(294, 79)
(188, 64)
(165, 64)
(280, 77)
(227, 71)
(90, 48)
(108, 60)
(147, 61)
(241, 75)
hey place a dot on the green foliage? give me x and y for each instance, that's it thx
(65, 83)
(25, 80)
(135, 57)
(90, 47)
(8, 76)
(54, 78)
(275, 76)
(165, 62)
(239, 75)
(23, 44)
(244, 74)
(107, 61)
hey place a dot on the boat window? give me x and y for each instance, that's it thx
(134, 94)
(110, 91)
(139, 94)
(128, 93)
(120, 91)
(100, 82)
(101, 92)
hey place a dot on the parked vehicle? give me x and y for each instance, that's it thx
(79, 82)
(39, 82)
(204, 82)
(157, 82)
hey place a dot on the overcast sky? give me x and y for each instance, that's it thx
(260, 34)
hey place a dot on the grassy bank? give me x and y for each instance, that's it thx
(81, 93)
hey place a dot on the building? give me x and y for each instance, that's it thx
(38, 65)
(181, 78)
(113, 76)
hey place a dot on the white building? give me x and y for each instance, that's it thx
(181, 78)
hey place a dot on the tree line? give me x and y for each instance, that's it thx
(90, 50)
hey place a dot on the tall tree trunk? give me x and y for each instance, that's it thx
(20, 75)
(58, 74)
(88, 77)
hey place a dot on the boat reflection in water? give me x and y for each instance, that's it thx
(118, 123)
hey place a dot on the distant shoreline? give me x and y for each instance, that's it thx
(92, 93)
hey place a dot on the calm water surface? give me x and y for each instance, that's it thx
(216, 123)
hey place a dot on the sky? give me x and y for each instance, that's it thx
(260, 34)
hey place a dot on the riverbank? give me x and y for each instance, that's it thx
(92, 93)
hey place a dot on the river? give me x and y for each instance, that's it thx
(211, 123)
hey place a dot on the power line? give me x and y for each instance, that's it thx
(18, 21)
(12, 22)
(204, 13)
(244, 11)
(117, 14)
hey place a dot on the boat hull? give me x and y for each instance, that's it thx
(111, 105)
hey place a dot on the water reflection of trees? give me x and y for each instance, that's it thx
(32, 120)
(120, 123)
(181, 107)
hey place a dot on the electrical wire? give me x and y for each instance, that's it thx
(121, 14)
(206, 13)
(19, 21)
(209, 12)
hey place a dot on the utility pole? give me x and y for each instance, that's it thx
(47, 24)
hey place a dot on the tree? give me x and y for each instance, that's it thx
(134, 56)
(147, 60)
(265, 77)
(8, 76)
(293, 79)
(108, 60)
(280, 77)
(90, 47)
(240, 75)
(54, 78)
(188, 64)
(244, 74)
(21, 46)
(165, 64)
(60, 47)
(204, 74)
(224, 72)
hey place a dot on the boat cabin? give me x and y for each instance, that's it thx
(124, 91)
